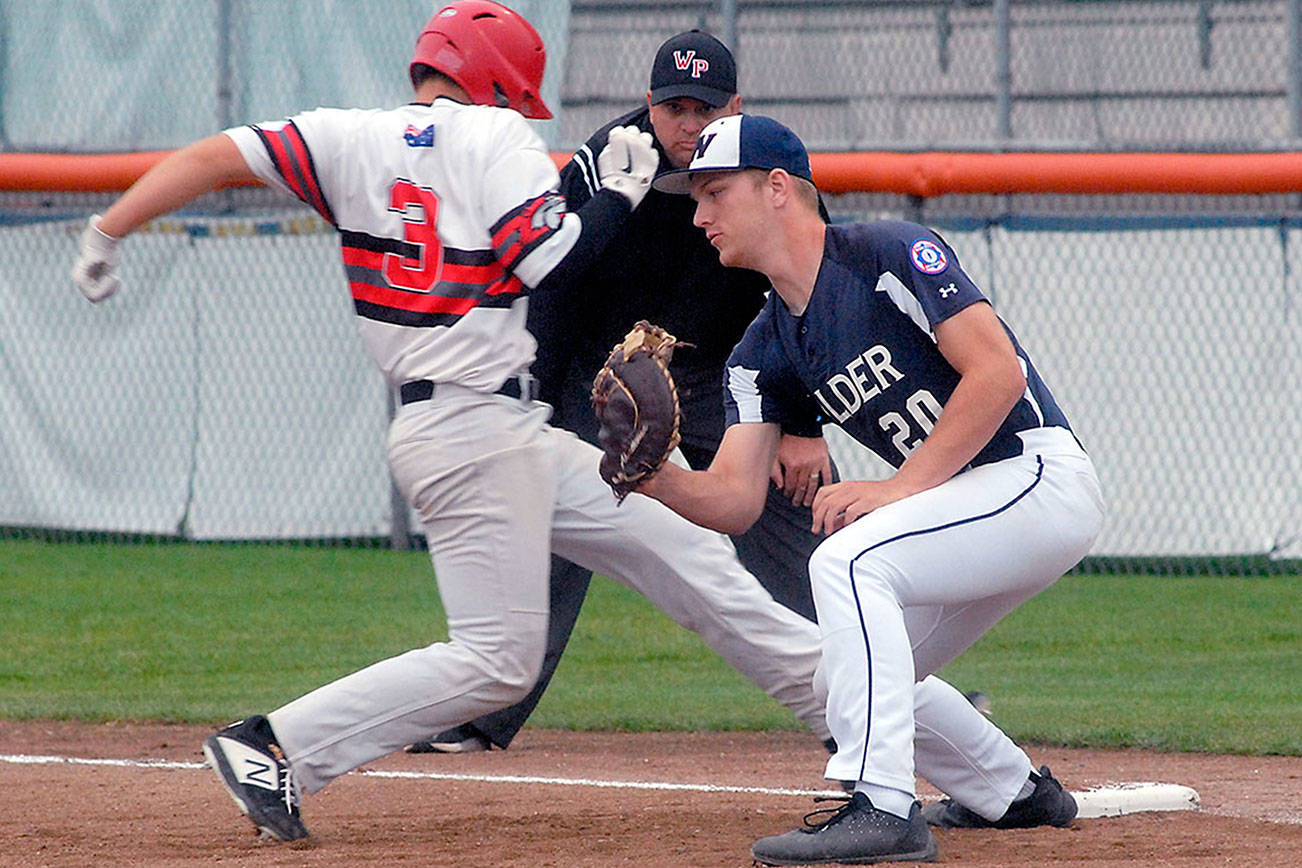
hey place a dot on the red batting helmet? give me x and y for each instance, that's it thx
(491, 51)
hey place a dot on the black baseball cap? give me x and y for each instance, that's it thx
(694, 64)
(739, 142)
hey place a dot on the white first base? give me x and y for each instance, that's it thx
(1117, 799)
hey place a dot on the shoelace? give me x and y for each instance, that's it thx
(834, 814)
(288, 786)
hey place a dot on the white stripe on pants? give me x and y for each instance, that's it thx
(910, 586)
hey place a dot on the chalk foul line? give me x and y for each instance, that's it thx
(1109, 801)
(27, 759)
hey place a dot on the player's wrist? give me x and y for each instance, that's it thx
(653, 485)
(630, 189)
(623, 202)
(98, 236)
(94, 271)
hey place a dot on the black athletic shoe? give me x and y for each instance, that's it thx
(1049, 805)
(855, 833)
(980, 701)
(253, 769)
(461, 739)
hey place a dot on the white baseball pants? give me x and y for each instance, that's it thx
(496, 490)
(910, 586)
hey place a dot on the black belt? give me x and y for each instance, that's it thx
(423, 390)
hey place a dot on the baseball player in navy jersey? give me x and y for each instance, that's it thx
(448, 212)
(876, 327)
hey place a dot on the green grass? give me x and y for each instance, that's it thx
(1203, 664)
(206, 633)
(197, 632)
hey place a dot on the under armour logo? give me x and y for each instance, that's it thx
(946, 291)
(686, 60)
(701, 144)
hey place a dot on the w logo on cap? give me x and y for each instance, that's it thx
(687, 60)
(701, 144)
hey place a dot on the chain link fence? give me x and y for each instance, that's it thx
(1040, 74)
(126, 75)
(1116, 74)
(224, 395)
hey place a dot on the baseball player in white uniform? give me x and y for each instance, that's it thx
(448, 214)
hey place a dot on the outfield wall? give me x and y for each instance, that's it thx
(224, 393)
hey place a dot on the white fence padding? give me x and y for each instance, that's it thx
(280, 356)
(224, 393)
(96, 403)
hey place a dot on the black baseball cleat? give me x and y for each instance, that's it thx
(252, 767)
(461, 739)
(1049, 805)
(854, 834)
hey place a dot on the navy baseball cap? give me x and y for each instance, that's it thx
(694, 64)
(740, 142)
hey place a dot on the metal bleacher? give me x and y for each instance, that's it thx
(925, 73)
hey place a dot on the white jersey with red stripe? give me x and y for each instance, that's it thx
(446, 214)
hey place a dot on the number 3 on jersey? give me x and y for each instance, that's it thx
(419, 208)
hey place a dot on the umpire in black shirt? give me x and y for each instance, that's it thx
(661, 268)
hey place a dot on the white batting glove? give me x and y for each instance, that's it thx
(97, 263)
(628, 163)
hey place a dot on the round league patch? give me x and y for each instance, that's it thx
(927, 257)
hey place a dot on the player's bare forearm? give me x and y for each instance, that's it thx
(181, 177)
(944, 453)
(973, 413)
(971, 416)
(990, 383)
(703, 498)
(728, 496)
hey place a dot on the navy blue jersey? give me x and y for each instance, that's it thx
(864, 355)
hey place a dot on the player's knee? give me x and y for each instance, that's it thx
(829, 565)
(820, 683)
(834, 566)
(519, 662)
(505, 655)
(821, 568)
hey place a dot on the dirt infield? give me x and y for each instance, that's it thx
(59, 814)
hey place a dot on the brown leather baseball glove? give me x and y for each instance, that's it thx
(636, 403)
